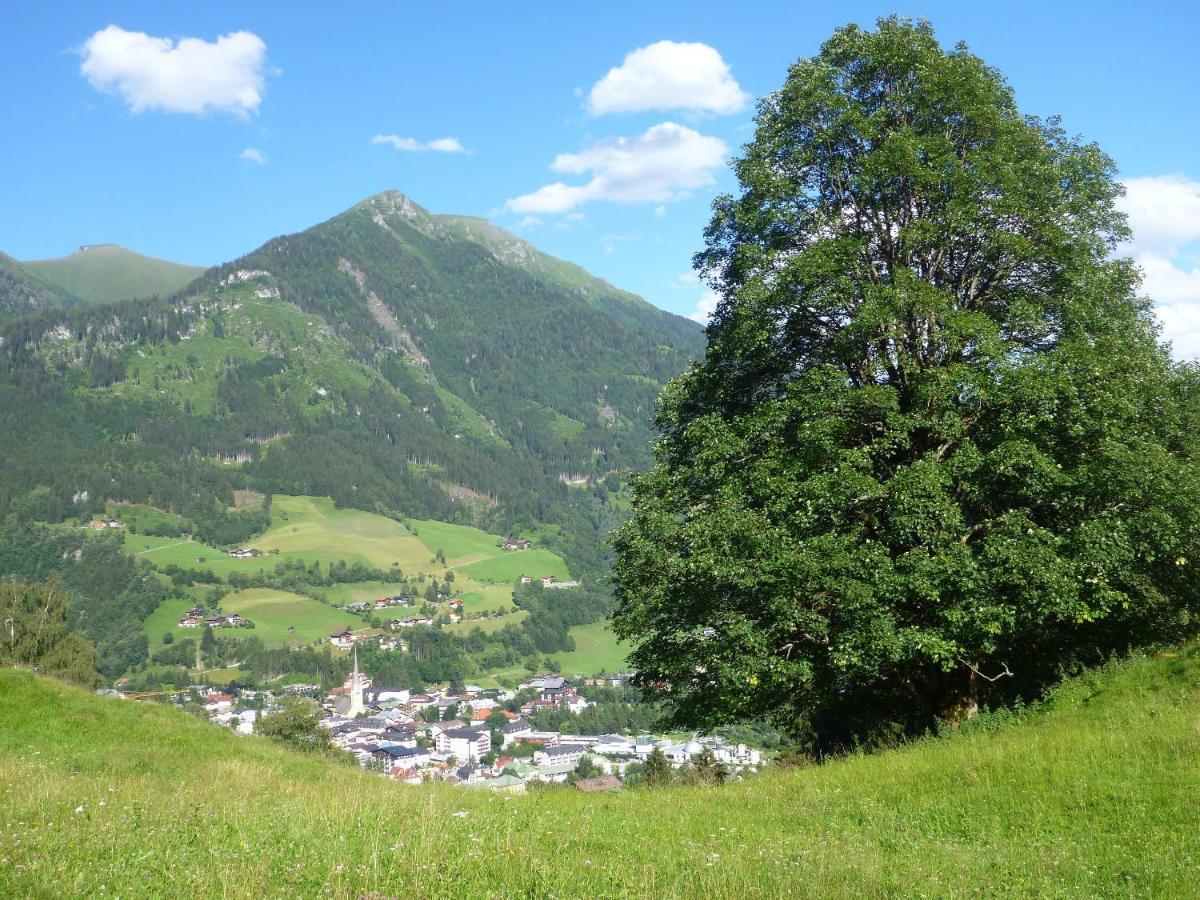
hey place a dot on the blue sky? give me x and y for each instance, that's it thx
(110, 136)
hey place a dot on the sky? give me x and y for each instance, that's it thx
(196, 132)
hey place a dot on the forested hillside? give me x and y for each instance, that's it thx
(23, 292)
(393, 360)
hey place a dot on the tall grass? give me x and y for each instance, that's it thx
(1094, 792)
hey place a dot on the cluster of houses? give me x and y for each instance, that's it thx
(384, 728)
(196, 618)
(245, 553)
(102, 524)
(515, 544)
(550, 581)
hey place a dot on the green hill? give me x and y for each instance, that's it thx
(23, 291)
(1092, 794)
(106, 273)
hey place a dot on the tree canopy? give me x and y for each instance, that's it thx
(935, 453)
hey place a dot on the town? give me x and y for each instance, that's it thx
(473, 736)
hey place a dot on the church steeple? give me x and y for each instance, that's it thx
(357, 705)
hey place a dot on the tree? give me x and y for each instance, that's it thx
(657, 772)
(706, 770)
(587, 767)
(34, 633)
(935, 452)
(168, 638)
(297, 724)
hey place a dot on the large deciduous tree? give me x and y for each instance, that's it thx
(935, 453)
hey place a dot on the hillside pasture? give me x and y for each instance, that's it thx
(510, 565)
(315, 529)
(596, 649)
(274, 612)
(1091, 795)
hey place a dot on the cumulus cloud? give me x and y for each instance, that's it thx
(668, 75)
(706, 305)
(438, 145)
(1164, 214)
(190, 75)
(658, 166)
(254, 155)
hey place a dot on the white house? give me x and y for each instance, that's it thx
(560, 755)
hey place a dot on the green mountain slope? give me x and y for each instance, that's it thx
(389, 359)
(1095, 794)
(106, 273)
(23, 291)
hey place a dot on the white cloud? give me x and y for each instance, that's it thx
(529, 222)
(660, 211)
(254, 155)
(658, 166)
(1164, 214)
(438, 145)
(685, 281)
(668, 75)
(187, 76)
(706, 305)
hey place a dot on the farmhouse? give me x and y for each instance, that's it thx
(342, 639)
(245, 553)
(189, 622)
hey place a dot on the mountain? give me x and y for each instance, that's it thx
(23, 291)
(1088, 794)
(394, 360)
(106, 273)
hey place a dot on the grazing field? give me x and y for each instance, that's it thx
(1094, 794)
(462, 544)
(487, 626)
(313, 528)
(488, 597)
(596, 649)
(511, 565)
(343, 594)
(274, 612)
(166, 619)
(189, 554)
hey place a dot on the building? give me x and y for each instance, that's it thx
(342, 639)
(470, 744)
(559, 755)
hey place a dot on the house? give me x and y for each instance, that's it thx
(245, 553)
(196, 612)
(383, 602)
(218, 703)
(602, 783)
(483, 711)
(465, 743)
(234, 619)
(563, 753)
(526, 579)
(342, 639)
(216, 621)
(515, 730)
(548, 580)
(542, 738)
(381, 693)
(189, 622)
(456, 606)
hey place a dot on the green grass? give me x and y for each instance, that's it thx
(343, 594)
(462, 544)
(512, 565)
(274, 612)
(487, 626)
(189, 554)
(487, 598)
(1096, 795)
(166, 619)
(596, 648)
(313, 528)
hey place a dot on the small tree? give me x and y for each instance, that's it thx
(706, 770)
(297, 725)
(657, 771)
(168, 638)
(587, 767)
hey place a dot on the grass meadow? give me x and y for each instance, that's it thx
(274, 612)
(1096, 794)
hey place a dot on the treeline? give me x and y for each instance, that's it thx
(109, 595)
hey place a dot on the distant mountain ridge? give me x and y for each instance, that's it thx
(107, 273)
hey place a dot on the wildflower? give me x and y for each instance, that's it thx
(461, 814)
(79, 808)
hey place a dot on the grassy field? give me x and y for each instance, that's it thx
(510, 566)
(166, 619)
(274, 612)
(189, 554)
(343, 594)
(596, 649)
(462, 544)
(487, 626)
(313, 528)
(488, 597)
(1094, 795)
